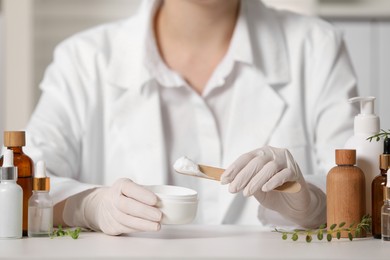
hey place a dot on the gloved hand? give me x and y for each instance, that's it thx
(124, 207)
(258, 172)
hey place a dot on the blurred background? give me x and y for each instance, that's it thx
(30, 29)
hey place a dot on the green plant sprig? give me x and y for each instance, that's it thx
(321, 231)
(382, 134)
(60, 232)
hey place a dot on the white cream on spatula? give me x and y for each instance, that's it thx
(186, 166)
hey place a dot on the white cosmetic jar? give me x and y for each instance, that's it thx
(178, 204)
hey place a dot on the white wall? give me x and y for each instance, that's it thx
(32, 29)
(1, 78)
(17, 63)
(368, 42)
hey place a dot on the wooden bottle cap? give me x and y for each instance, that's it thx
(14, 138)
(345, 157)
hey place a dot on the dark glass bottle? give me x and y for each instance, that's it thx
(377, 187)
(15, 140)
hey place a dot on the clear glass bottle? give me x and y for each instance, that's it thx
(386, 221)
(15, 140)
(385, 216)
(40, 205)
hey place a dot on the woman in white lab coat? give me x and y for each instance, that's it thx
(213, 80)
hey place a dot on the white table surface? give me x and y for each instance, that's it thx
(192, 242)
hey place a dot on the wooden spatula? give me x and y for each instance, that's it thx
(214, 173)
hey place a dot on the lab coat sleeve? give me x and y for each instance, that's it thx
(331, 82)
(56, 127)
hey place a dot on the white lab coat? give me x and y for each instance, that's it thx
(96, 122)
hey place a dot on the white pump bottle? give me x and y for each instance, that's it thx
(366, 124)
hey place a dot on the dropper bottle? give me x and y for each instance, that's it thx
(386, 211)
(40, 205)
(378, 184)
(15, 141)
(11, 199)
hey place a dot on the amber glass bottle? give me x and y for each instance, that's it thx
(377, 187)
(15, 140)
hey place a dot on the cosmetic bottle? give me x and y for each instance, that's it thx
(345, 191)
(11, 198)
(15, 140)
(366, 124)
(40, 205)
(377, 189)
(385, 221)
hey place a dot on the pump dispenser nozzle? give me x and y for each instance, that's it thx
(366, 121)
(366, 104)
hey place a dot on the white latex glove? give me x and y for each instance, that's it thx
(125, 207)
(260, 171)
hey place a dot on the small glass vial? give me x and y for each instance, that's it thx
(385, 216)
(40, 205)
(11, 200)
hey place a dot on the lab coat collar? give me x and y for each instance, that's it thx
(268, 44)
(241, 47)
(128, 50)
(266, 49)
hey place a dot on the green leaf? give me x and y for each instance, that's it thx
(358, 232)
(382, 133)
(60, 232)
(350, 236)
(75, 234)
(334, 230)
